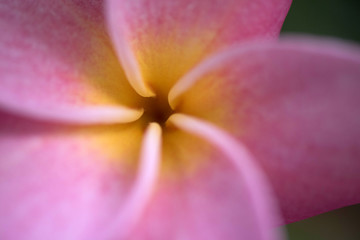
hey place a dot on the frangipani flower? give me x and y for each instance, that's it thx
(180, 125)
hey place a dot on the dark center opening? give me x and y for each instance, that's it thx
(156, 109)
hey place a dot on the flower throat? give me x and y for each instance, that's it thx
(156, 109)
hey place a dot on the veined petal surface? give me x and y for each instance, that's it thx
(161, 40)
(294, 104)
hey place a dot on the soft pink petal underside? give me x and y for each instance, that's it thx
(55, 56)
(163, 39)
(295, 106)
(54, 185)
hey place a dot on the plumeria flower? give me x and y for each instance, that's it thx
(181, 119)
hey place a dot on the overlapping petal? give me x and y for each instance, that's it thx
(60, 182)
(207, 198)
(159, 41)
(57, 56)
(295, 106)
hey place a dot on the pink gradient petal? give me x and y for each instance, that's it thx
(164, 39)
(294, 104)
(54, 184)
(212, 201)
(55, 56)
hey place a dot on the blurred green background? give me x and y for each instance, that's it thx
(339, 19)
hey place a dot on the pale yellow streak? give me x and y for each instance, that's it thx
(144, 184)
(133, 73)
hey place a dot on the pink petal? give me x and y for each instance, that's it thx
(142, 190)
(161, 40)
(295, 106)
(56, 58)
(55, 183)
(215, 200)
